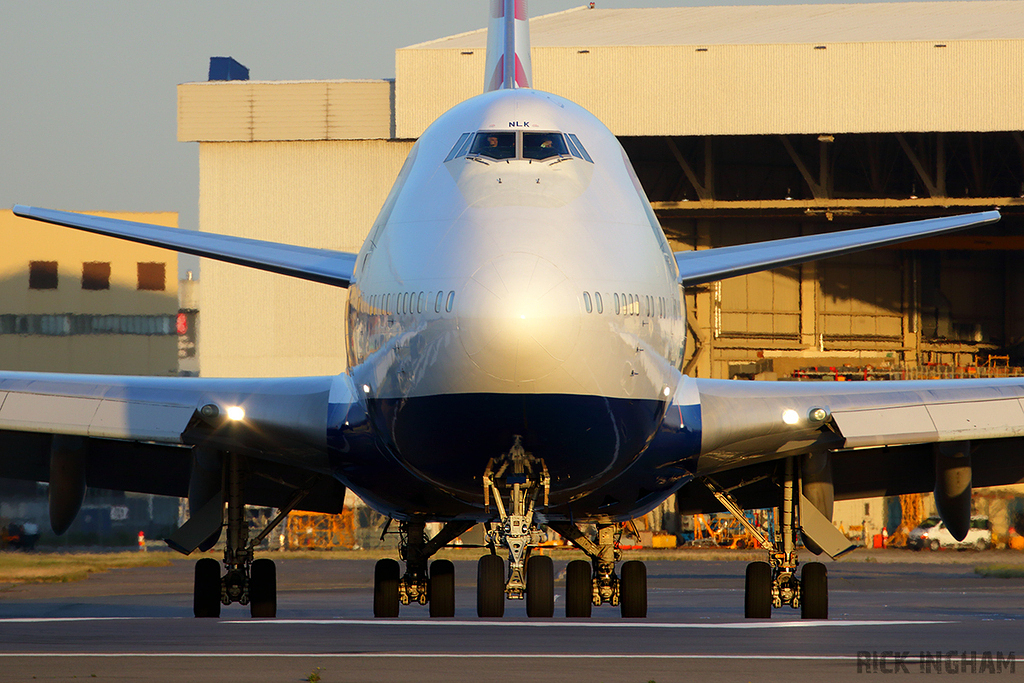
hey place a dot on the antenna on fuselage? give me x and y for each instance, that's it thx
(508, 47)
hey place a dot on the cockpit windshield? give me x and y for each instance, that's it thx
(544, 145)
(495, 145)
(518, 145)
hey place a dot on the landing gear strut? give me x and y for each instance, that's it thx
(523, 479)
(246, 581)
(774, 583)
(433, 585)
(584, 590)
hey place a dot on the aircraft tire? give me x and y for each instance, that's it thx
(490, 586)
(540, 587)
(385, 588)
(814, 591)
(206, 591)
(442, 588)
(263, 589)
(758, 592)
(579, 590)
(633, 590)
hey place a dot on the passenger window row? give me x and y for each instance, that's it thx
(518, 145)
(633, 304)
(405, 303)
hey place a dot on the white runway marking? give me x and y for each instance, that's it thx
(57, 620)
(578, 624)
(483, 623)
(421, 655)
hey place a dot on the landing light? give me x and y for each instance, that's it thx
(366, 388)
(666, 391)
(790, 416)
(817, 415)
(236, 413)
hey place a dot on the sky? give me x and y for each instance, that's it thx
(88, 110)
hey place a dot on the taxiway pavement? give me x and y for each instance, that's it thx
(136, 625)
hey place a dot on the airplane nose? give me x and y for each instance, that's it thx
(519, 317)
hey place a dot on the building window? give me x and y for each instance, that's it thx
(151, 276)
(96, 275)
(42, 275)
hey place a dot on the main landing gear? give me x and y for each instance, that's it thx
(515, 483)
(774, 583)
(246, 581)
(434, 585)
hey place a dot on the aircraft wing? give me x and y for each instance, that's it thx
(698, 267)
(137, 433)
(792, 418)
(306, 263)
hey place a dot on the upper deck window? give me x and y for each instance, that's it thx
(495, 145)
(544, 145)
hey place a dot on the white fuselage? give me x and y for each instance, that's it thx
(499, 278)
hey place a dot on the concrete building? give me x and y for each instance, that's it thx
(76, 302)
(744, 123)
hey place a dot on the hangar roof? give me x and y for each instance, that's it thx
(754, 70)
(747, 70)
(753, 25)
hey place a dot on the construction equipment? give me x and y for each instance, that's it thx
(317, 531)
(912, 508)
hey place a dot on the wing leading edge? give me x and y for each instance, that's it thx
(781, 418)
(317, 265)
(698, 267)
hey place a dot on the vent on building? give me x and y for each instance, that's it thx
(42, 275)
(96, 275)
(227, 69)
(151, 276)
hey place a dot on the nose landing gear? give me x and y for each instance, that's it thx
(524, 478)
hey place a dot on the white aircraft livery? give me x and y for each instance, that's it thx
(516, 331)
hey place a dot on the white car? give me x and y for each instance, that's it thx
(933, 534)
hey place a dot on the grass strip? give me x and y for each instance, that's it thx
(1000, 571)
(18, 567)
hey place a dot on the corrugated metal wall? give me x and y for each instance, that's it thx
(748, 89)
(243, 111)
(321, 195)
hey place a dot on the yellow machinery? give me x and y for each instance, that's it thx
(912, 507)
(317, 531)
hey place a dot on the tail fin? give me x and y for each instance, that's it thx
(508, 47)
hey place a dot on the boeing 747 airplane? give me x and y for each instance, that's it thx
(516, 331)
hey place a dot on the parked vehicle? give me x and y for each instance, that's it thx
(933, 534)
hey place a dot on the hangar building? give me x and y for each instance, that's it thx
(744, 124)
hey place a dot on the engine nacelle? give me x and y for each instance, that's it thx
(953, 486)
(68, 456)
(816, 478)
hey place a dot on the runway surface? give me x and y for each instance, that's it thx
(137, 625)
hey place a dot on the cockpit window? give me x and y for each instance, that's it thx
(458, 145)
(543, 145)
(495, 145)
(576, 143)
